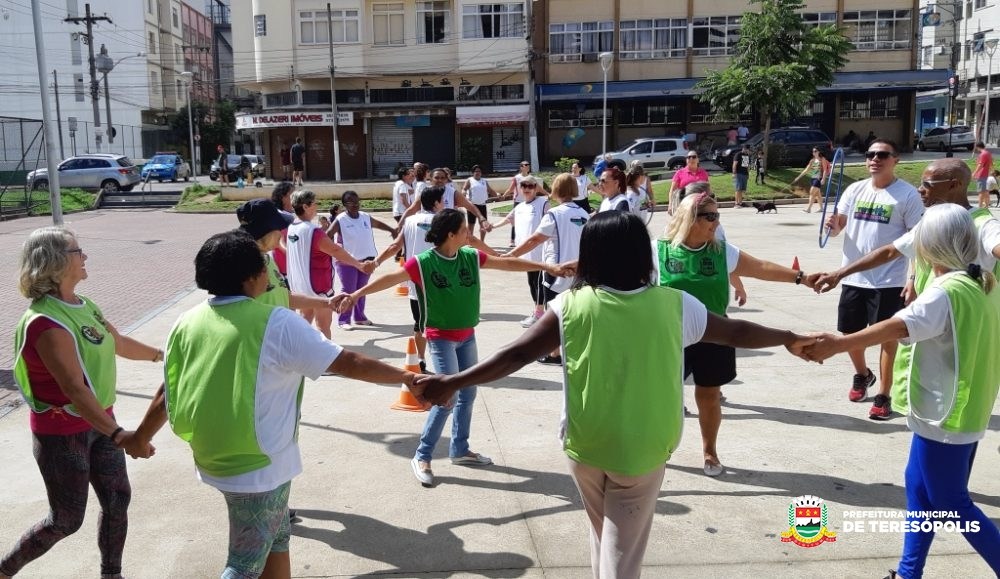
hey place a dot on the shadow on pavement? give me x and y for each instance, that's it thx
(812, 418)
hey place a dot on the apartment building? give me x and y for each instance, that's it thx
(662, 49)
(443, 82)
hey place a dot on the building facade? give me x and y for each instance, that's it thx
(661, 50)
(442, 82)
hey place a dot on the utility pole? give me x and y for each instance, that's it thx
(55, 198)
(105, 65)
(55, 88)
(333, 97)
(532, 120)
(95, 94)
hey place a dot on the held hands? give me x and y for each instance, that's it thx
(822, 282)
(334, 302)
(136, 446)
(345, 302)
(434, 389)
(369, 266)
(486, 226)
(822, 347)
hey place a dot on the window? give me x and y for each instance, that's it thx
(149, 6)
(980, 4)
(643, 113)
(869, 106)
(817, 19)
(492, 20)
(715, 35)
(571, 117)
(76, 53)
(78, 88)
(178, 55)
(432, 22)
(576, 41)
(387, 23)
(878, 29)
(660, 38)
(152, 43)
(154, 82)
(175, 18)
(314, 26)
(180, 90)
(260, 25)
(496, 92)
(927, 57)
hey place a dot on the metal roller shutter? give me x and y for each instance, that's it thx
(508, 148)
(391, 146)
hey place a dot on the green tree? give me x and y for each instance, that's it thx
(215, 122)
(778, 66)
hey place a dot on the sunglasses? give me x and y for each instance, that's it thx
(689, 157)
(927, 184)
(527, 185)
(525, 165)
(710, 216)
(883, 155)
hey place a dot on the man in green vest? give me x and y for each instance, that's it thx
(233, 372)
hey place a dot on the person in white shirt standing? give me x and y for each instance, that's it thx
(514, 190)
(354, 230)
(402, 193)
(583, 188)
(478, 190)
(526, 217)
(873, 213)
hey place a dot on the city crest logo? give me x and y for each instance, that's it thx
(807, 523)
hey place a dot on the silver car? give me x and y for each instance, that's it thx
(941, 138)
(652, 153)
(109, 172)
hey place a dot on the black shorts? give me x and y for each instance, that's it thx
(472, 216)
(712, 364)
(415, 310)
(583, 204)
(861, 307)
(815, 183)
(298, 165)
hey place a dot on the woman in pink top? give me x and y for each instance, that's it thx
(691, 173)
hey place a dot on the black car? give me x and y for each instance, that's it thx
(240, 165)
(796, 145)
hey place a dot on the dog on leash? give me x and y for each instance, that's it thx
(765, 206)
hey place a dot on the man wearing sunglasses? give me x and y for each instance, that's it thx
(873, 213)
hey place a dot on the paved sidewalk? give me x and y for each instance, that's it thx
(788, 431)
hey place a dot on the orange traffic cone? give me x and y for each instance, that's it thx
(406, 400)
(403, 289)
(795, 263)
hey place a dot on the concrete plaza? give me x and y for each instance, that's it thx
(788, 430)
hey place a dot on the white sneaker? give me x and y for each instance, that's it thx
(346, 327)
(422, 470)
(529, 321)
(472, 459)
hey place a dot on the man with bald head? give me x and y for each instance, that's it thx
(943, 181)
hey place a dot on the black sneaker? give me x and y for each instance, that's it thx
(423, 367)
(292, 518)
(860, 386)
(891, 575)
(551, 360)
(881, 408)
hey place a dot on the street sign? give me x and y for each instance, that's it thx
(72, 123)
(930, 19)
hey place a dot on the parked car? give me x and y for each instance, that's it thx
(109, 172)
(240, 165)
(166, 166)
(652, 153)
(941, 138)
(797, 144)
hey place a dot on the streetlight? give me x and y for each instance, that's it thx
(188, 78)
(991, 48)
(606, 58)
(106, 65)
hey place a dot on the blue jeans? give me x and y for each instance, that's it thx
(449, 357)
(937, 479)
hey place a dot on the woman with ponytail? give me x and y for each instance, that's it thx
(952, 383)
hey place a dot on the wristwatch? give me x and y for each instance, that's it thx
(799, 276)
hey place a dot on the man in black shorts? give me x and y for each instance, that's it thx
(298, 154)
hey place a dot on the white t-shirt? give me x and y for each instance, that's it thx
(448, 199)
(527, 217)
(732, 257)
(563, 225)
(991, 183)
(582, 182)
(613, 203)
(418, 188)
(478, 193)
(299, 257)
(415, 230)
(929, 320)
(402, 197)
(989, 237)
(635, 199)
(876, 217)
(291, 349)
(356, 235)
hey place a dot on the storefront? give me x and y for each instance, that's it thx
(492, 137)
(316, 131)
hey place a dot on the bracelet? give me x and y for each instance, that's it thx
(799, 276)
(114, 434)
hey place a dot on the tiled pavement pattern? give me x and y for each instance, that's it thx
(137, 261)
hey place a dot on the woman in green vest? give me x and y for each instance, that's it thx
(446, 279)
(65, 368)
(622, 407)
(690, 258)
(952, 383)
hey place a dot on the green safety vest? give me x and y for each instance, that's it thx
(452, 285)
(95, 348)
(624, 365)
(277, 293)
(968, 395)
(210, 380)
(701, 273)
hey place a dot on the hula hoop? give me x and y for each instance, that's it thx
(836, 174)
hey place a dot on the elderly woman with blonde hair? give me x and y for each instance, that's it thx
(65, 369)
(693, 259)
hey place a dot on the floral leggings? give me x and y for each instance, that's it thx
(68, 463)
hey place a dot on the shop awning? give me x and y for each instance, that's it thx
(491, 115)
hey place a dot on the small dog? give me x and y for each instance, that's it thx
(765, 206)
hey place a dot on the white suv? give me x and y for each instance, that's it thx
(652, 153)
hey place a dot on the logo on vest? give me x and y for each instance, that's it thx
(707, 267)
(92, 335)
(439, 280)
(581, 221)
(293, 238)
(675, 266)
(465, 278)
(807, 520)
